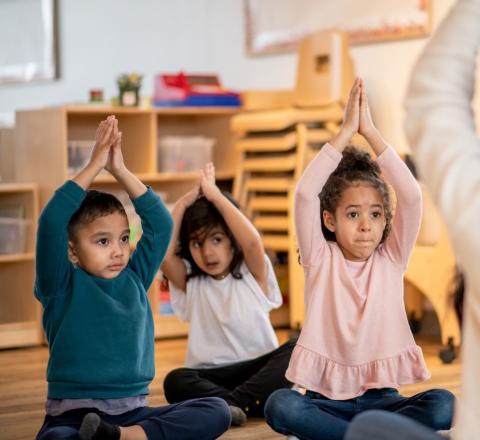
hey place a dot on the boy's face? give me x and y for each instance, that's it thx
(358, 222)
(102, 247)
(212, 253)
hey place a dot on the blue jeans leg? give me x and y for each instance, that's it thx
(309, 417)
(59, 433)
(432, 408)
(384, 425)
(196, 419)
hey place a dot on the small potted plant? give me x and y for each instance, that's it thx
(129, 88)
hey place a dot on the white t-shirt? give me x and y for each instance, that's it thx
(229, 318)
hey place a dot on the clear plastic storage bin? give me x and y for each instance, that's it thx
(78, 155)
(13, 235)
(184, 153)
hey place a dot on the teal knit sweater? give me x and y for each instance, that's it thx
(100, 331)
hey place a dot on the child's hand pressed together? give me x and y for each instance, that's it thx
(104, 137)
(366, 126)
(351, 118)
(189, 198)
(358, 119)
(207, 182)
(205, 186)
(115, 161)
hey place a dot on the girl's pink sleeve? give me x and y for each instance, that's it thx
(308, 226)
(408, 208)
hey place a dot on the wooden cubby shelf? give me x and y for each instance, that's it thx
(42, 137)
(19, 311)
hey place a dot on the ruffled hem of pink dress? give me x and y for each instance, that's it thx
(316, 372)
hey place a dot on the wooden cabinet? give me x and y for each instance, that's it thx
(19, 310)
(42, 138)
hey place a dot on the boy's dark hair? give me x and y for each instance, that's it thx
(95, 204)
(198, 220)
(356, 167)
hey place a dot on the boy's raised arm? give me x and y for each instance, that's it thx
(52, 265)
(156, 220)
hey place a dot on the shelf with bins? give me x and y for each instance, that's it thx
(42, 136)
(19, 310)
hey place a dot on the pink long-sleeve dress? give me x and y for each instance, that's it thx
(356, 334)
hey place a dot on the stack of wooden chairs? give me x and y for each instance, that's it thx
(278, 134)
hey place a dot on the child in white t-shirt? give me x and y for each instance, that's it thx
(222, 283)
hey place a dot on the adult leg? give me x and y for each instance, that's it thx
(309, 417)
(384, 425)
(432, 408)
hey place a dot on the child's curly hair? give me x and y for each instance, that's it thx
(355, 167)
(198, 220)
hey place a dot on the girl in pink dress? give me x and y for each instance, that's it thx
(356, 347)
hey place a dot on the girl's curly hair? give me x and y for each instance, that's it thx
(356, 167)
(198, 220)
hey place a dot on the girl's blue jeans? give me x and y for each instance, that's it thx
(315, 417)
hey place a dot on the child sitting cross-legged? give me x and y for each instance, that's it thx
(96, 313)
(222, 282)
(355, 348)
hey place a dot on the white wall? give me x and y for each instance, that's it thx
(101, 38)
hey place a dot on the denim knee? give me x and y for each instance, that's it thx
(440, 408)
(282, 407)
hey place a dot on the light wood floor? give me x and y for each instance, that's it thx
(23, 388)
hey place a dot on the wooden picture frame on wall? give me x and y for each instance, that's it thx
(278, 25)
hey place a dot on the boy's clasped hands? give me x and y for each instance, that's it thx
(107, 152)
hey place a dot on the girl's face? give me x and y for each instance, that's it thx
(213, 252)
(358, 222)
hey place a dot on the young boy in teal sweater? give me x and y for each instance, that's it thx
(97, 317)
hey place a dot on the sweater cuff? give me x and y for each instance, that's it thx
(72, 191)
(147, 199)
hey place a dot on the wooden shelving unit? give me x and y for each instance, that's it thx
(42, 137)
(19, 310)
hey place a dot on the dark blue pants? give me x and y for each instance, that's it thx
(383, 425)
(199, 419)
(315, 417)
